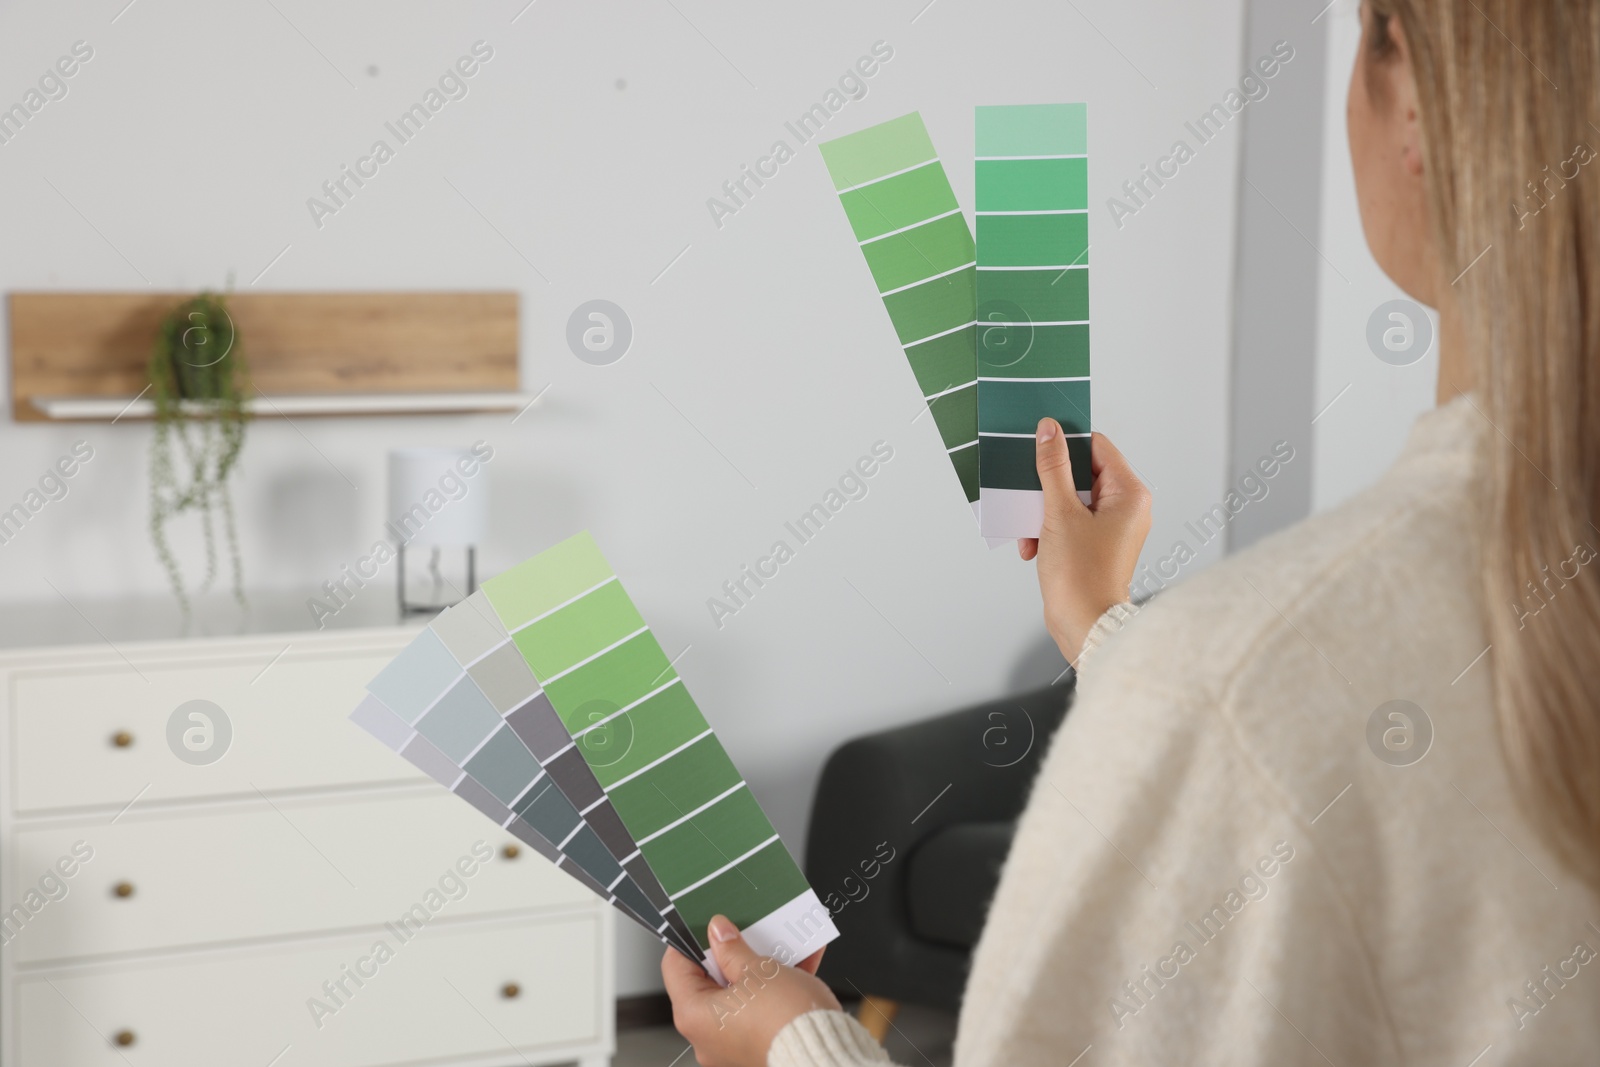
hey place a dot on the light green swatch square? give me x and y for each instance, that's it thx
(551, 578)
(882, 149)
(1031, 130)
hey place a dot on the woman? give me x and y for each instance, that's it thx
(1238, 850)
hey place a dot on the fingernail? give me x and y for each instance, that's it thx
(1047, 430)
(722, 929)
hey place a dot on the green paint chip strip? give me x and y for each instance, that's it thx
(661, 766)
(530, 742)
(1032, 296)
(919, 250)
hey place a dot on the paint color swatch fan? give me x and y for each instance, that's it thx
(996, 330)
(544, 701)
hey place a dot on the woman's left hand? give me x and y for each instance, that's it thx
(734, 1027)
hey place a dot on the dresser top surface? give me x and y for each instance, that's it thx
(131, 620)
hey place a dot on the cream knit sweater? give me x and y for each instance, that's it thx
(1216, 868)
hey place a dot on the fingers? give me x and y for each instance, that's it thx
(684, 978)
(1054, 462)
(1112, 472)
(1053, 459)
(1101, 452)
(1027, 548)
(728, 946)
(813, 961)
(1117, 489)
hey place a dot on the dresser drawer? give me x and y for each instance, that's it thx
(268, 870)
(437, 998)
(289, 725)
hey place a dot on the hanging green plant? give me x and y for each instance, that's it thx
(198, 380)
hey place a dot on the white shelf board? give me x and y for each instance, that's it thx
(95, 407)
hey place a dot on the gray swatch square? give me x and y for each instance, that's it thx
(609, 826)
(574, 778)
(540, 728)
(475, 794)
(586, 849)
(376, 717)
(460, 721)
(416, 677)
(505, 678)
(469, 629)
(553, 816)
(425, 755)
(503, 765)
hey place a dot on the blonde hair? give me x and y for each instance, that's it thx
(1504, 97)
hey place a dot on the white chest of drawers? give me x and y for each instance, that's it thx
(307, 900)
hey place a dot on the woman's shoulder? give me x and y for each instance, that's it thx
(1356, 585)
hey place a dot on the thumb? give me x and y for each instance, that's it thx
(733, 954)
(1055, 469)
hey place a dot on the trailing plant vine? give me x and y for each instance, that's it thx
(198, 380)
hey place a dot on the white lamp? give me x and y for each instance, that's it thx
(438, 499)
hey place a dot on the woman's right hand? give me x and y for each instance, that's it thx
(1086, 554)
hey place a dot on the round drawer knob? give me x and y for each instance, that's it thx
(122, 739)
(511, 852)
(124, 1038)
(511, 991)
(123, 889)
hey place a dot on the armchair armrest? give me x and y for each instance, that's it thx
(882, 795)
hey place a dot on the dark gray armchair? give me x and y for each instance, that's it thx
(908, 833)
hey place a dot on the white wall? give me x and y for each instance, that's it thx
(1362, 432)
(193, 138)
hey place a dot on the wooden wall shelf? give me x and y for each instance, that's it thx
(83, 356)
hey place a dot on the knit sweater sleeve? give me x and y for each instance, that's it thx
(825, 1039)
(1111, 622)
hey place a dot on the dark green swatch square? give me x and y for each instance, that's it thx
(744, 893)
(654, 728)
(956, 415)
(1039, 295)
(684, 782)
(1010, 463)
(945, 361)
(1034, 352)
(711, 839)
(965, 461)
(932, 307)
(1017, 407)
